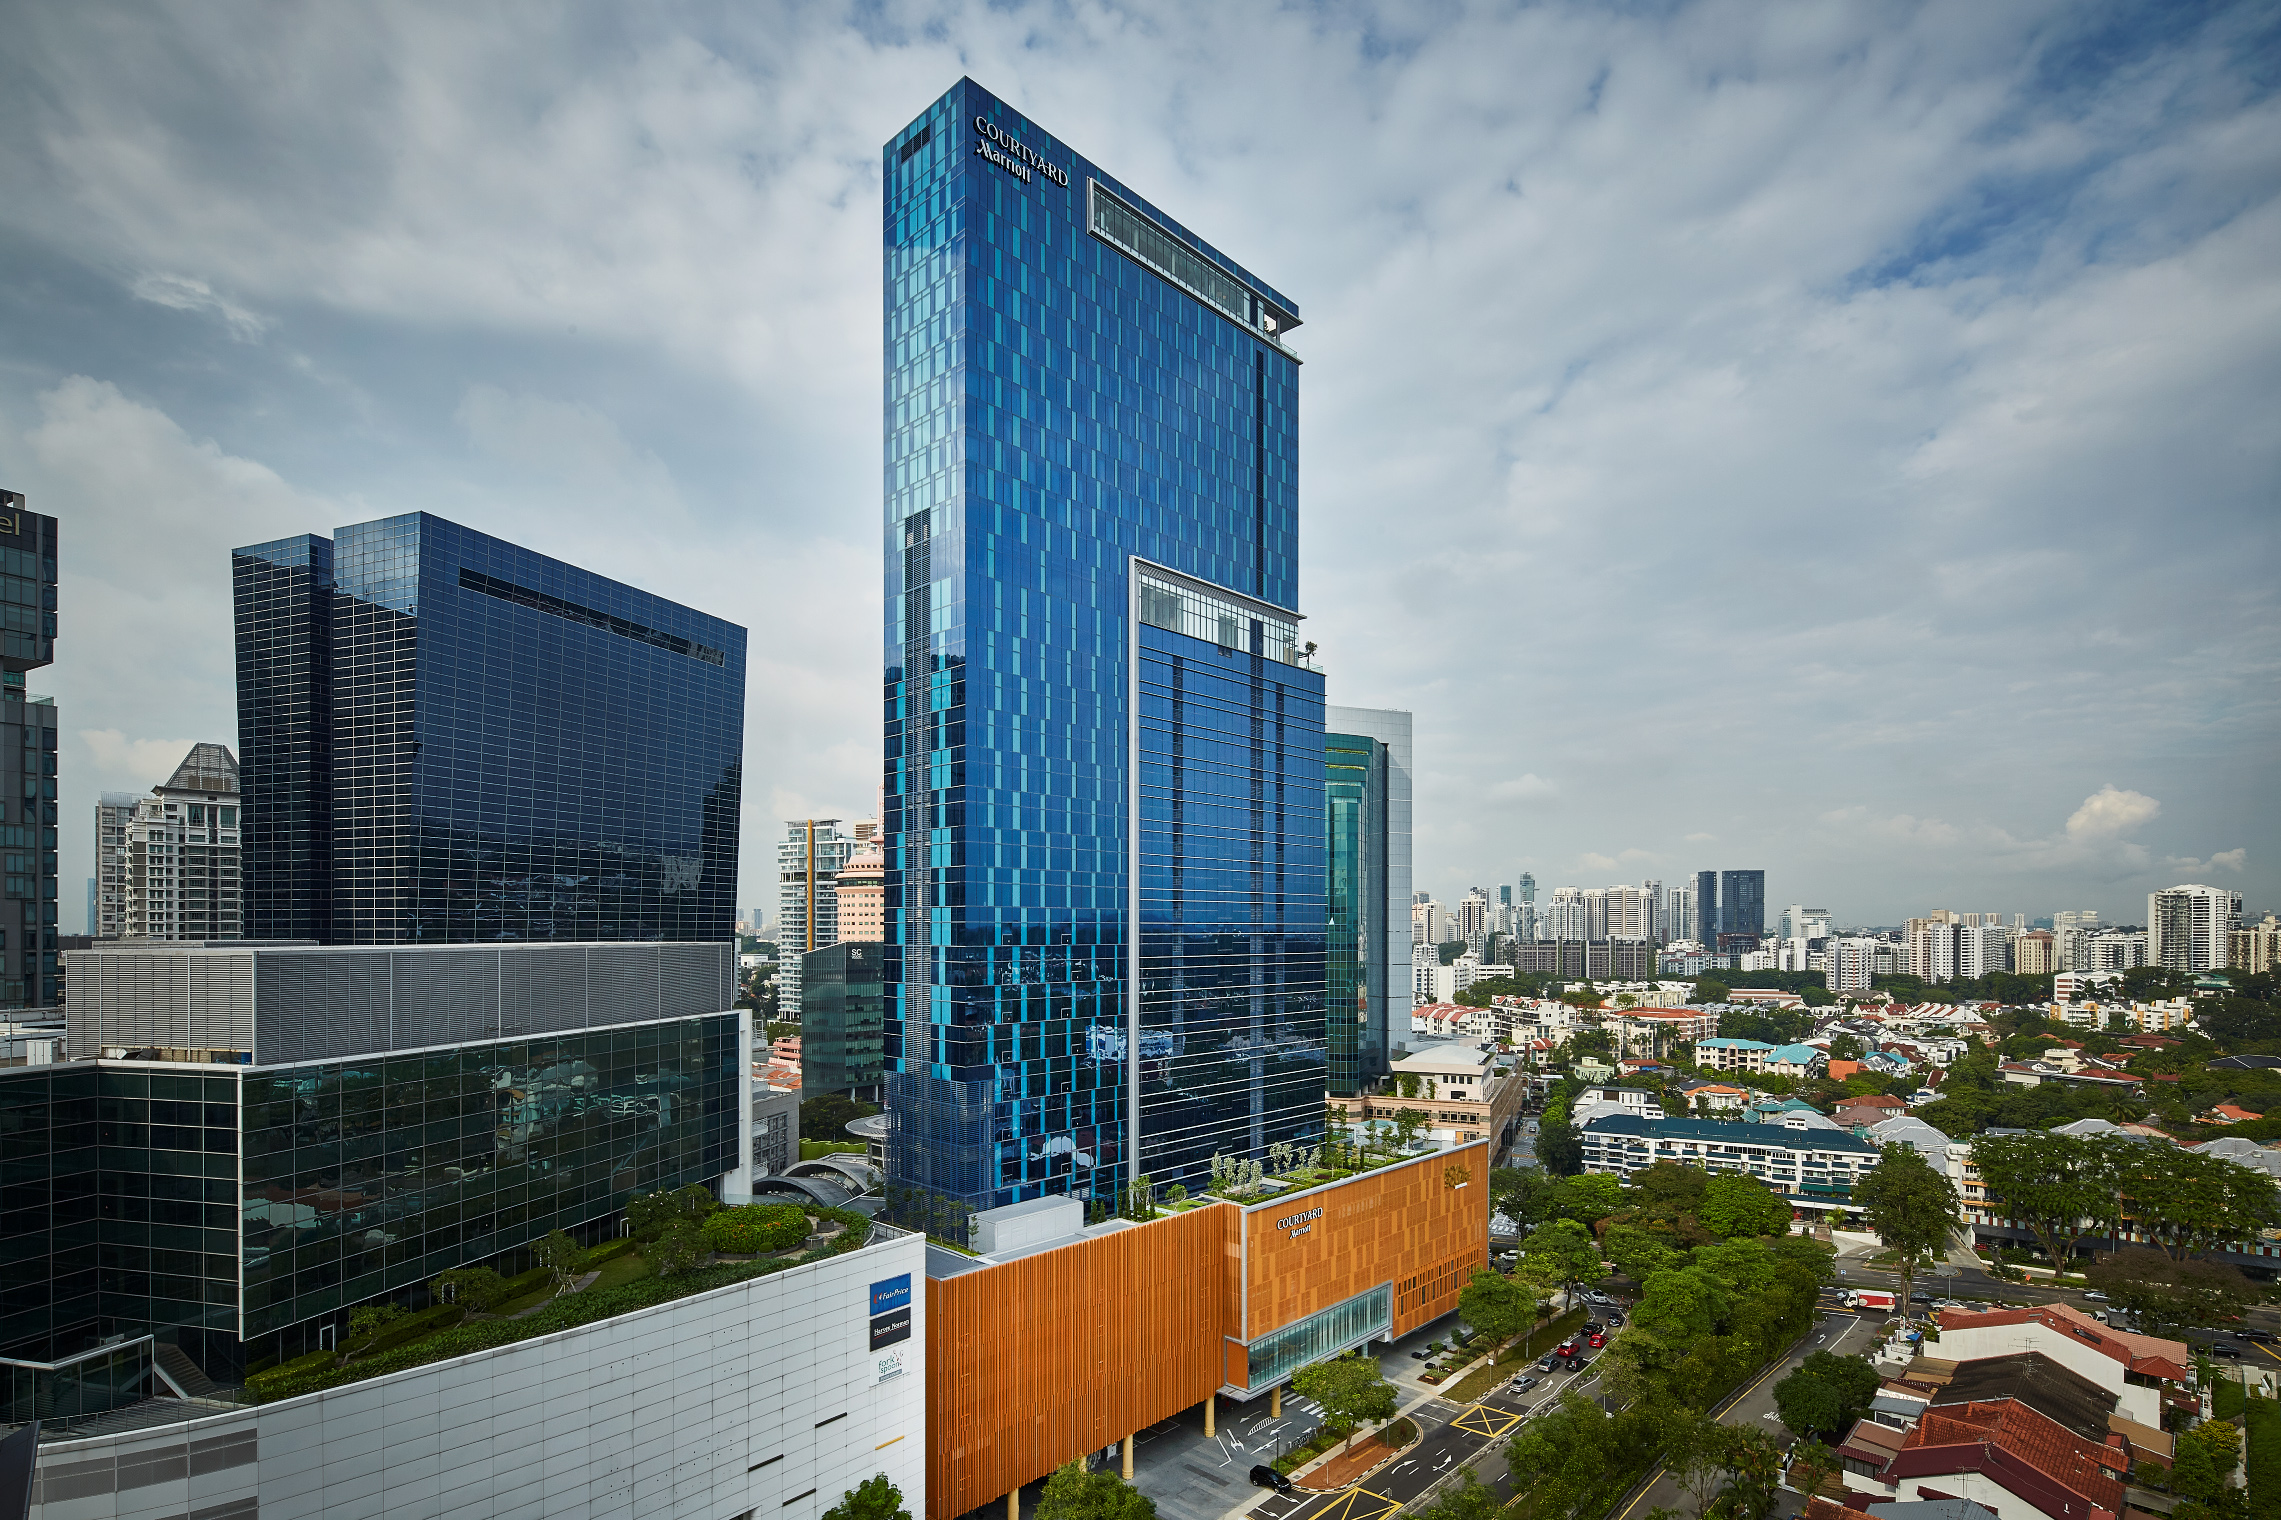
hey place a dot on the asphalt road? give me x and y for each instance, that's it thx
(1838, 1331)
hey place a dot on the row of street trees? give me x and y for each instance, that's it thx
(2066, 1189)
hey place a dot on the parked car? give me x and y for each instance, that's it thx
(1268, 1477)
(1419, 1356)
(2096, 1296)
(2262, 1337)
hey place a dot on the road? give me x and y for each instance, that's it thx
(1837, 1331)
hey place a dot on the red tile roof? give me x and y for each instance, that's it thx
(2148, 1354)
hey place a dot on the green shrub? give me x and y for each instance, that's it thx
(478, 1290)
(647, 1214)
(567, 1313)
(2226, 1397)
(679, 1248)
(2264, 1459)
(755, 1227)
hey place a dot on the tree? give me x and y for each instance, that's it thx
(874, 1498)
(1496, 1306)
(1565, 1251)
(2189, 1203)
(1911, 1207)
(1073, 1493)
(1708, 991)
(1636, 1253)
(825, 1116)
(476, 1289)
(2204, 1464)
(1734, 1204)
(562, 1256)
(1523, 1194)
(677, 1249)
(2059, 1188)
(1560, 1150)
(1754, 1473)
(1349, 1389)
(1695, 1456)
(367, 1322)
(1591, 1198)
(1826, 1394)
(1817, 1463)
(1845, 1047)
(1407, 1126)
(2166, 1294)
(647, 1214)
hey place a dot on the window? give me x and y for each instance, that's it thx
(1277, 1354)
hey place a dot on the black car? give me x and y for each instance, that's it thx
(1268, 1477)
(2224, 1349)
(1593, 1327)
(1419, 1356)
(1615, 1319)
(2262, 1337)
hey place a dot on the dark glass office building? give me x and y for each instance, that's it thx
(1742, 906)
(29, 976)
(447, 738)
(1355, 832)
(843, 1019)
(1707, 909)
(234, 1202)
(1104, 763)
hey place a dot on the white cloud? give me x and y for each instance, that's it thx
(2108, 813)
(122, 764)
(1739, 414)
(1593, 861)
(185, 294)
(1526, 788)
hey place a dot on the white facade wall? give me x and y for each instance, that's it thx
(2133, 1402)
(759, 1397)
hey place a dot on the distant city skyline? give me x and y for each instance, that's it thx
(1837, 390)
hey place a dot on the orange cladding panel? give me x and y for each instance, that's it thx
(1410, 1225)
(1034, 1361)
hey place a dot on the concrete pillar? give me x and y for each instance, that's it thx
(1014, 1504)
(1128, 1459)
(1275, 1402)
(1209, 1400)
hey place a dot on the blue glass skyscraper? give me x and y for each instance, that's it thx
(1104, 751)
(448, 738)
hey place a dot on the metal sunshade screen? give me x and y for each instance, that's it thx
(445, 997)
(542, 991)
(622, 985)
(689, 979)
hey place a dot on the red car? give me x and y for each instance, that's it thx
(1565, 1348)
(1597, 1341)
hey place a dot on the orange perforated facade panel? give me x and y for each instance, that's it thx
(1052, 1355)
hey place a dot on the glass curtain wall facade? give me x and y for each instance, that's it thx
(1073, 383)
(300, 1191)
(513, 748)
(1742, 903)
(1354, 931)
(1707, 909)
(29, 976)
(842, 1004)
(283, 597)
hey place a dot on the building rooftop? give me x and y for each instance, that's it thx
(1449, 1057)
(1710, 1130)
(2066, 1398)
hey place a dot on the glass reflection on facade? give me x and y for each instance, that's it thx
(512, 748)
(369, 1175)
(1276, 1355)
(1355, 838)
(124, 1211)
(841, 1015)
(1074, 382)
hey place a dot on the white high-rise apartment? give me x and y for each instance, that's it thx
(1982, 949)
(1473, 916)
(1565, 917)
(1932, 947)
(1627, 913)
(808, 863)
(2111, 950)
(1852, 962)
(1655, 924)
(1679, 914)
(167, 865)
(2187, 927)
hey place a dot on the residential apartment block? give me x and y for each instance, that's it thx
(1814, 1168)
(167, 865)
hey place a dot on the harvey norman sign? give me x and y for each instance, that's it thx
(994, 143)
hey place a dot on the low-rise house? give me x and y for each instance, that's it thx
(2136, 1369)
(1794, 1061)
(1713, 1098)
(1727, 1054)
(1814, 1168)
(2225, 1113)
(1467, 1093)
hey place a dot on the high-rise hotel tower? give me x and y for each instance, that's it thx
(1104, 734)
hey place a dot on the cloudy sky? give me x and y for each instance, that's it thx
(1834, 438)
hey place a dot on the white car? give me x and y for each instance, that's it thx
(2096, 1296)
